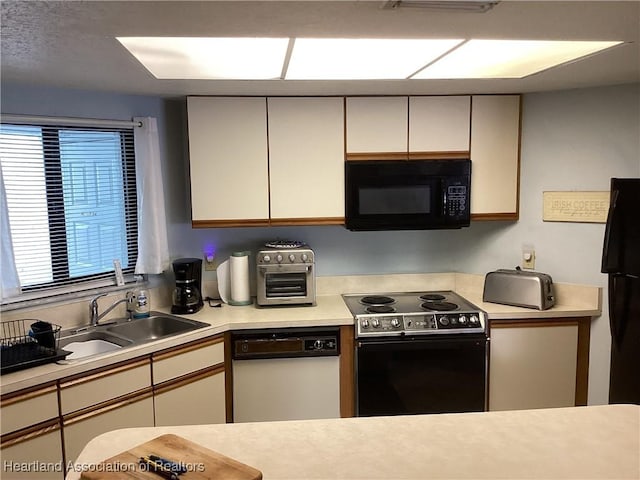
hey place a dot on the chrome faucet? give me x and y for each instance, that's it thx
(93, 308)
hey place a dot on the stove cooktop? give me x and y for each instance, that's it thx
(414, 313)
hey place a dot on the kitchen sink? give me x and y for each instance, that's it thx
(123, 333)
(155, 327)
(90, 343)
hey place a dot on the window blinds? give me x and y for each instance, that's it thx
(71, 200)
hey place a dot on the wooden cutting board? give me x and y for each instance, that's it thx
(201, 462)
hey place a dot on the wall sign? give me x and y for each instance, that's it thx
(584, 207)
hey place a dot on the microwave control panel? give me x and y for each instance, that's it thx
(456, 201)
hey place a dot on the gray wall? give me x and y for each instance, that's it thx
(571, 140)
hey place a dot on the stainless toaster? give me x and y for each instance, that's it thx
(519, 288)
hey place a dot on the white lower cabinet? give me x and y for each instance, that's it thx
(33, 453)
(133, 411)
(31, 438)
(193, 373)
(533, 367)
(118, 396)
(204, 394)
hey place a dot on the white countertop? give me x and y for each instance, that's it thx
(598, 442)
(572, 301)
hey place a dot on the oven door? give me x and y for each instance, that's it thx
(421, 375)
(286, 284)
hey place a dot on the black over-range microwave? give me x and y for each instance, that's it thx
(407, 194)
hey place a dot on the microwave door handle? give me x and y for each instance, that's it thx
(443, 189)
(612, 223)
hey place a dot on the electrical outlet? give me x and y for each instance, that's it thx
(529, 259)
(210, 262)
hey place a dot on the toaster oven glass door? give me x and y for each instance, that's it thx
(293, 284)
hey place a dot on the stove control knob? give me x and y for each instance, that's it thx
(266, 259)
(364, 323)
(444, 321)
(292, 257)
(318, 344)
(463, 320)
(474, 319)
(304, 257)
(376, 323)
(395, 322)
(278, 258)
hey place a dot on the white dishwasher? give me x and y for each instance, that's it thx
(286, 374)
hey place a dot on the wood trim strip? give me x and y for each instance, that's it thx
(27, 394)
(457, 155)
(535, 322)
(262, 222)
(228, 376)
(107, 406)
(347, 372)
(377, 156)
(495, 216)
(31, 432)
(104, 372)
(517, 214)
(307, 221)
(187, 379)
(185, 348)
(582, 364)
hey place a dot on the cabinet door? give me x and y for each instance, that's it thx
(439, 124)
(85, 391)
(306, 158)
(25, 408)
(205, 394)
(42, 445)
(130, 412)
(495, 156)
(184, 360)
(533, 367)
(377, 124)
(228, 160)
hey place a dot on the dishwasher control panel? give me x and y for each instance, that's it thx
(285, 344)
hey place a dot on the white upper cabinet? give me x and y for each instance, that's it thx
(306, 158)
(439, 124)
(377, 124)
(495, 148)
(228, 159)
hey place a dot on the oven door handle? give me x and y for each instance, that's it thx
(430, 341)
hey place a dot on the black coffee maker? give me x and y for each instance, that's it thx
(187, 296)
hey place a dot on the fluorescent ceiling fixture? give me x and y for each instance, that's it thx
(362, 59)
(508, 58)
(209, 58)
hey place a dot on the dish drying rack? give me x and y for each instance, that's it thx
(20, 348)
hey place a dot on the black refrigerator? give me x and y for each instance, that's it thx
(621, 261)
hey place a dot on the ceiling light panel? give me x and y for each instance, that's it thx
(508, 58)
(196, 58)
(360, 59)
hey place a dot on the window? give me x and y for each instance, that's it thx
(71, 200)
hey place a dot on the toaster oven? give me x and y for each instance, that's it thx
(286, 275)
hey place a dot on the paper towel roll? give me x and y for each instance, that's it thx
(224, 287)
(239, 273)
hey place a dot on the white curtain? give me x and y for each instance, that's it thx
(10, 285)
(153, 246)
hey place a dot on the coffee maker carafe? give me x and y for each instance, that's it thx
(187, 296)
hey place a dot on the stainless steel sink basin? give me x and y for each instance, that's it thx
(91, 341)
(155, 327)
